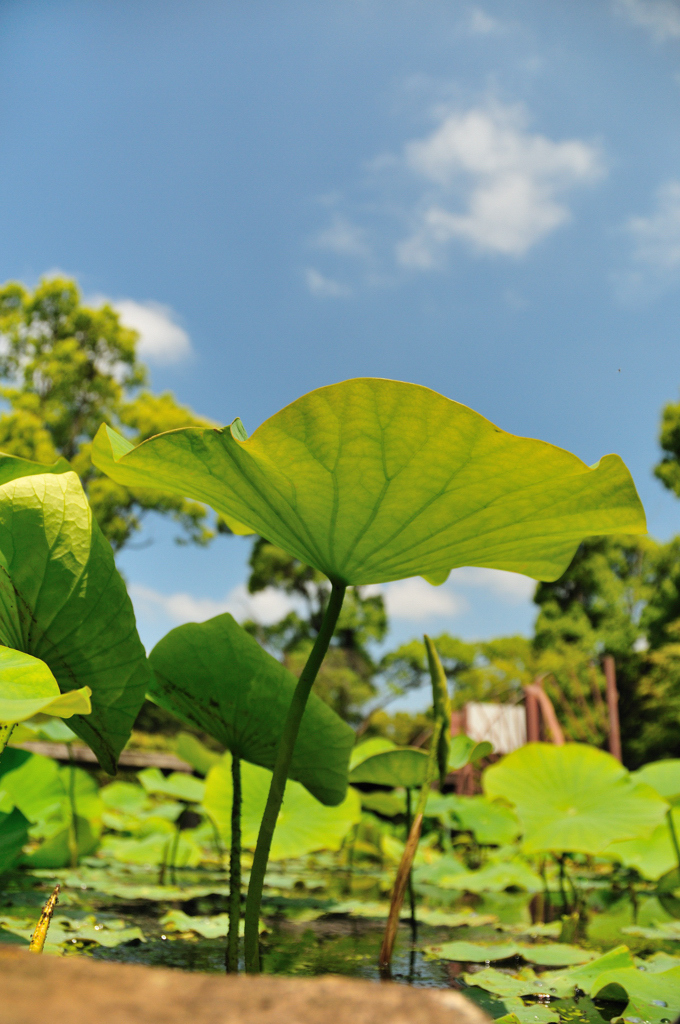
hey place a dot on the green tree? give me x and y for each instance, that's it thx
(65, 368)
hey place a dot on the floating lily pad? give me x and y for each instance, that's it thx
(473, 952)
(573, 797)
(660, 931)
(214, 927)
(494, 878)
(657, 995)
(177, 784)
(555, 954)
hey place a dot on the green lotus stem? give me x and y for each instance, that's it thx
(6, 730)
(284, 756)
(411, 894)
(73, 823)
(409, 853)
(674, 836)
(173, 856)
(231, 959)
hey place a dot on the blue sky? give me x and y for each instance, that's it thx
(484, 199)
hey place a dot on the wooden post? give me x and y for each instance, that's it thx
(613, 707)
(533, 720)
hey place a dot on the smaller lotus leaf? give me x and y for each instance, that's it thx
(659, 931)
(564, 983)
(663, 776)
(125, 796)
(214, 927)
(304, 824)
(473, 952)
(389, 805)
(573, 797)
(153, 849)
(55, 852)
(652, 856)
(215, 676)
(555, 954)
(52, 730)
(62, 601)
(494, 878)
(491, 822)
(405, 766)
(178, 785)
(195, 753)
(464, 750)
(657, 994)
(376, 745)
(28, 687)
(524, 983)
(13, 836)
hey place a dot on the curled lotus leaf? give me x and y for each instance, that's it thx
(375, 480)
(27, 688)
(63, 602)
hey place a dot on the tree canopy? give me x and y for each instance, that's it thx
(64, 368)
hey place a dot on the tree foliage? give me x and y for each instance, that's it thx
(66, 367)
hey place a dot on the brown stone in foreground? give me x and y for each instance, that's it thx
(35, 989)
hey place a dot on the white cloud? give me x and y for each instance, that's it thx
(511, 182)
(481, 23)
(660, 17)
(266, 607)
(415, 599)
(343, 238)
(325, 287)
(657, 237)
(510, 587)
(161, 339)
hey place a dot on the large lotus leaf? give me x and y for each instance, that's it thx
(406, 766)
(34, 784)
(652, 856)
(655, 995)
(376, 480)
(573, 797)
(27, 687)
(13, 836)
(491, 822)
(218, 678)
(303, 826)
(55, 852)
(663, 776)
(63, 601)
(376, 745)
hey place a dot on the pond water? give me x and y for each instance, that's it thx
(306, 932)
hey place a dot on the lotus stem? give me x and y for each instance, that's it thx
(284, 756)
(409, 853)
(37, 942)
(6, 730)
(411, 894)
(674, 835)
(231, 959)
(73, 823)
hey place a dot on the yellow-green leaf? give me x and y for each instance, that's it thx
(376, 480)
(27, 687)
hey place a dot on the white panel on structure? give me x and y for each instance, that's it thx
(504, 725)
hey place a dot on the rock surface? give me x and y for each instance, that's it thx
(35, 988)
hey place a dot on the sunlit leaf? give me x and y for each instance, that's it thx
(573, 797)
(657, 994)
(376, 480)
(303, 825)
(27, 687)
(490, 821)
(195, 753)
(494, 878)
(473, 952)
(654, 855)
(63, 602)
(663, 776)
(178, 784)
(215, 676)
(366, 749)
